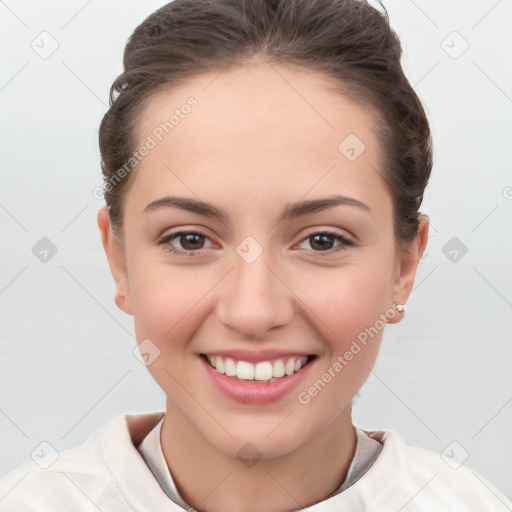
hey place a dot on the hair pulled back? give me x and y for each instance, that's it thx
(349, 41)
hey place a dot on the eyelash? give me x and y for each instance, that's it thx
(171, 236)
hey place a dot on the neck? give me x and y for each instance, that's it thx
(209, 479)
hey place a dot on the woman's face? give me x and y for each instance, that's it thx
(272, 268)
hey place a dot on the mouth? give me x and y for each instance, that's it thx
(261, 372)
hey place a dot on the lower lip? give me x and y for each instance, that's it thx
(253, 392)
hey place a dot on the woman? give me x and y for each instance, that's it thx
(264, 165)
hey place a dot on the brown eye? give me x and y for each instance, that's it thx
(189, 243)
(324, 242)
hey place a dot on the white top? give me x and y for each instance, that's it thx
(366, 452)
(108, 473)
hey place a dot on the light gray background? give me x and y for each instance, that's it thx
(67, 366)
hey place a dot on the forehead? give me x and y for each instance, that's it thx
(262, 126)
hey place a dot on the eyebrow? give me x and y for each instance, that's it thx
(291, 211)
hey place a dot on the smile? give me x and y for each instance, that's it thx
(263, 371)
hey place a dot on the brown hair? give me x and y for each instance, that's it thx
(348, 41)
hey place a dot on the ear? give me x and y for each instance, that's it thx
(116, 260)
(408, 266)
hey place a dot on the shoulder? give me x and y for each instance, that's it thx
(72, 478)
(423, 480)
(410, 479)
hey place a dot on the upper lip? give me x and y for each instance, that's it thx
(255, 357)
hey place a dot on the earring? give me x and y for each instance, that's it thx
(399, 307)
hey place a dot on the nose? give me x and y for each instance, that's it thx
(255, 298)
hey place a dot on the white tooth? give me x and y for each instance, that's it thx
(229, 367)
(289, 367)
(278, 369)
(245, 370)
(263, 371)
(300, 362)
(212, 360)
(219, 364)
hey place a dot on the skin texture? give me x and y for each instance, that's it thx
(251, 146)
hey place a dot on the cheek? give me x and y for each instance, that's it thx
(350, 306)
(168, 309)
(347, 301)
(165, 301)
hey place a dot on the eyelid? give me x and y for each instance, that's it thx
(184, 229)
(343, 233)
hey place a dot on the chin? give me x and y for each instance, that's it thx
(256, 446)
(264, 437)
